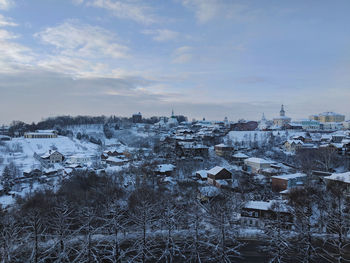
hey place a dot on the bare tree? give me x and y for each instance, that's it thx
(222, 241)
(142, 212)
(305, 211)
(87, 250)
(60, 223)
(337, 243)
(169, 218)
(115, 222)
(10, 238)
(278, 242)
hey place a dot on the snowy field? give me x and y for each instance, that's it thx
(21, 150)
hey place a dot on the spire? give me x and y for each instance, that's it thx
(263, 117)
(282, 112)
(172, 113)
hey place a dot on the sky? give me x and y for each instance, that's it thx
(202, 58)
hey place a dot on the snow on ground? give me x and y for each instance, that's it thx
(6, 200)
(260, 136)
(89, 129)
(22, 150)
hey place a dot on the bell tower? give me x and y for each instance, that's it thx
(282, 112)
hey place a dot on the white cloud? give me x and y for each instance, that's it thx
(127, 9)
(162, 35)
(6, 22)
(182, 55)
(73, 39)
(12, 54)
(206, 10)
(5, 4)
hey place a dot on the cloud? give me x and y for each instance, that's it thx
(13, 56)
(162, 35)
(6, 4)
(73, 39)
(182, 55)
(6, 22)
(135, 10)
(206, 10)
(94, 96)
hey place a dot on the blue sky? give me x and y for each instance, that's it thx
(204, 58)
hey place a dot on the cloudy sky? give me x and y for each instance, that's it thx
(204, 58)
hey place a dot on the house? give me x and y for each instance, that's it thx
(255, 165)
(342, 179)
(287, 181)
(165, 169)
(189, 149)
(32, 173)
(218, 173)
(202, 175)
(115, 161)
(293, 145)
(257, 214)
(208, 193)
(244, 126)
(120, 153)
(52, 157)
(41, 134)
(238, 158)
(223, 150)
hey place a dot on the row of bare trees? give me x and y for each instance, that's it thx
(92, 219)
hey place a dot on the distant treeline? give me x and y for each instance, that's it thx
(60, 122)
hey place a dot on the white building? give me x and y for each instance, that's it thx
(254, 165)
(282, 120)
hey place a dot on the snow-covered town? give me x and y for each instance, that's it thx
(278, 185)
(174, 131)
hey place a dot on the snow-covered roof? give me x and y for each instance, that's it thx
(45, 131)
(266, 205)
(169, 180)
(342, 177)
(222, 145)
(39, 133)
(222, 182)
(114, 159)
(295, 142)
(165, 168)
(203, 173)
(215, 170)
(289, 176)
(48, 154)
(257, 160)
(240, 155)
(329, 113)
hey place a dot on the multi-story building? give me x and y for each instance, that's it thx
(41, 134)
(328, 117)
(309, 125)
